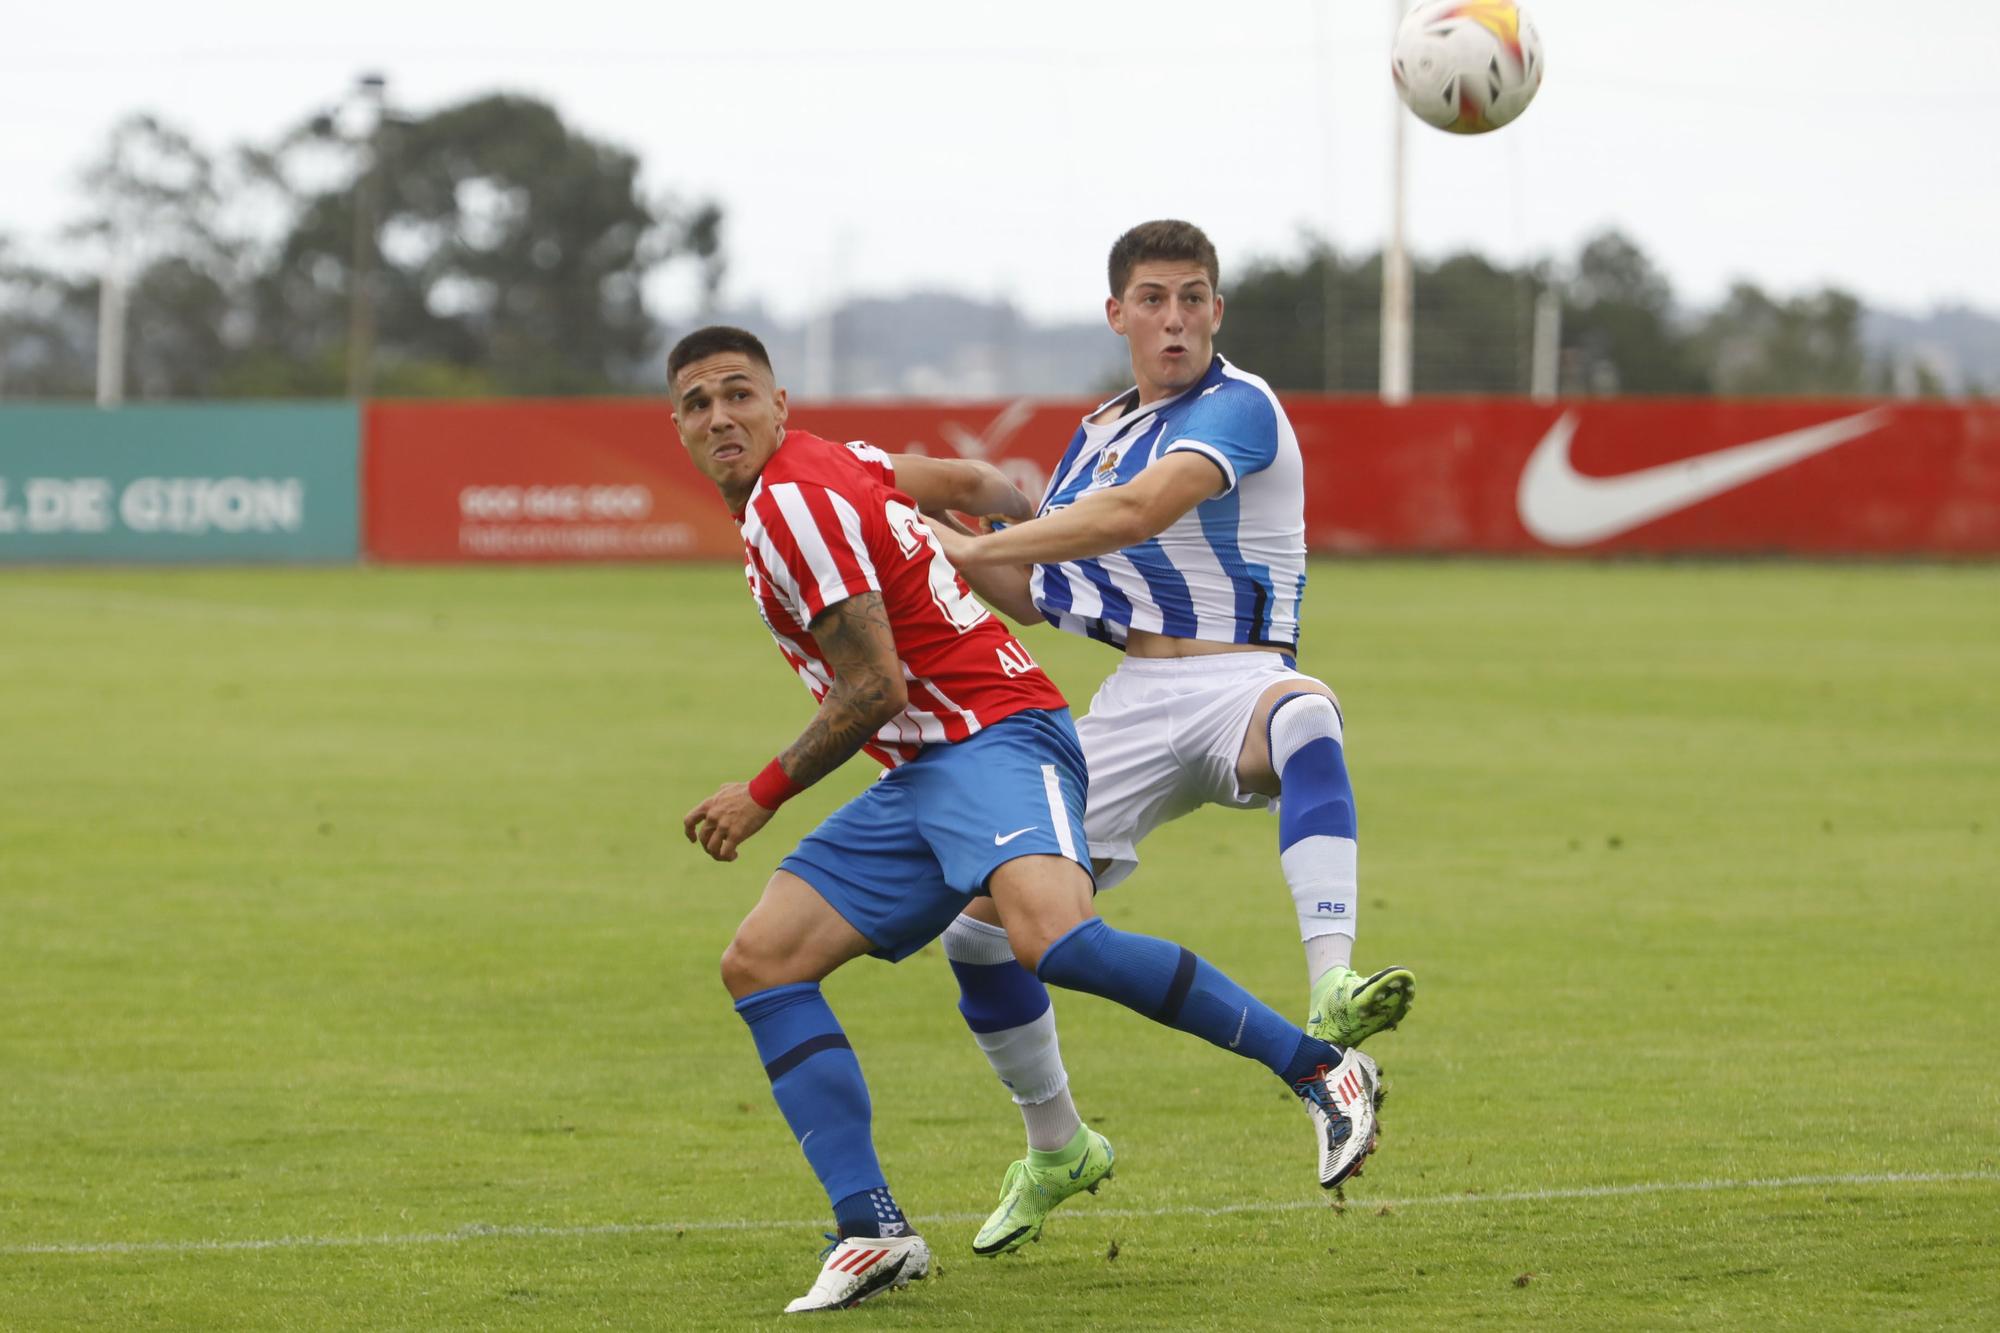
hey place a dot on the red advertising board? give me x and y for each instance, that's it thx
(535, 481)
(1508, 476)
(1677, 477)
(609, 480)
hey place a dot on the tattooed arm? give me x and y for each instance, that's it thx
(859, 646)
(855, 639)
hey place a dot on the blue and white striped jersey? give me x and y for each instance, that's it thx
(1233, 568)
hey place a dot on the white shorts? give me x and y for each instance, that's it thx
(1161, 739)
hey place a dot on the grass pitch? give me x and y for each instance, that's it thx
(353, 973)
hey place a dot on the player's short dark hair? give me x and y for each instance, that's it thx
(1169, 240)
(714, 340)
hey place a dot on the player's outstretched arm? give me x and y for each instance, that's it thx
(1005, 588)
(940, 485)
(859, 646)
(1101, 522)
(964, 484)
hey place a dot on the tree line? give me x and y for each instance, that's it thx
(1621, 329)
(511, 254)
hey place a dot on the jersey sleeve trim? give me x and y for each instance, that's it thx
(876, 460)
(1213, 455)
(1235, 419)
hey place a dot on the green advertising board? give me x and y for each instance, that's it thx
(180, 484)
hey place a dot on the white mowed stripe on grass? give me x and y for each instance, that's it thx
(484, 1231)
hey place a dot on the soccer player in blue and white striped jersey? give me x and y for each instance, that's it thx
(1173, 529)
(1230, 569)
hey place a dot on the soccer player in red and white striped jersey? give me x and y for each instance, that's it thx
(983, 795)
(814, 516)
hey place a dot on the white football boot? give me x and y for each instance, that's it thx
(862, 1266)
(1341, 1102)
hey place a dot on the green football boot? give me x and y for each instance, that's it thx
(1037, 1183)
(1348, 1008)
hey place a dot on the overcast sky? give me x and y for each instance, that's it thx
(996, 149)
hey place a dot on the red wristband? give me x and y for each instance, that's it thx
(773, 787)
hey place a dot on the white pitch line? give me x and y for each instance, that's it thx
(485, 1232)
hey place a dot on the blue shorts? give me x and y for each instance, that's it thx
(903, 858)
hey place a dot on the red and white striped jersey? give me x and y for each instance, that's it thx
(826, 523)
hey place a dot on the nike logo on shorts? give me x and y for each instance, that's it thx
(999, 841)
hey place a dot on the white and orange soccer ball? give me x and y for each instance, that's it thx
(1468, 66)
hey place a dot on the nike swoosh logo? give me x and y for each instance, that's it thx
(999, 841)
(1562, 507)
(1241, 1023)
(1078, 1173)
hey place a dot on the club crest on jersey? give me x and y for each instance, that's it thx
(1107, 466)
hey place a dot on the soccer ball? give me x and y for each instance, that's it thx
(1467, 66)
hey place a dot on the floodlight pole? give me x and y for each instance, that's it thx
(112, 297)
(361, 273)
(1396, 294)
(819, 353)
(1547, 345)
(1329, 286)
(111, 328)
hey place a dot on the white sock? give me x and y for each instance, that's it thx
(1053, 1123)
(1326, 952)
(1320, 869)
(1028, 1058)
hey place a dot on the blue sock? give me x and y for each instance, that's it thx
(1168, 984)
(1316, 824)
(869, 1213)
(1007, 1007)
(997, 996)
(817, 1083)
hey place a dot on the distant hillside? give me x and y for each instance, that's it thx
(1957, 344)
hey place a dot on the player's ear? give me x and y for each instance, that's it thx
(778, 397)
(1217, 326)
(1114, 315)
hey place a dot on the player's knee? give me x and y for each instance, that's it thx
(1028, 948)
(743, 971)
(1303, 715)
